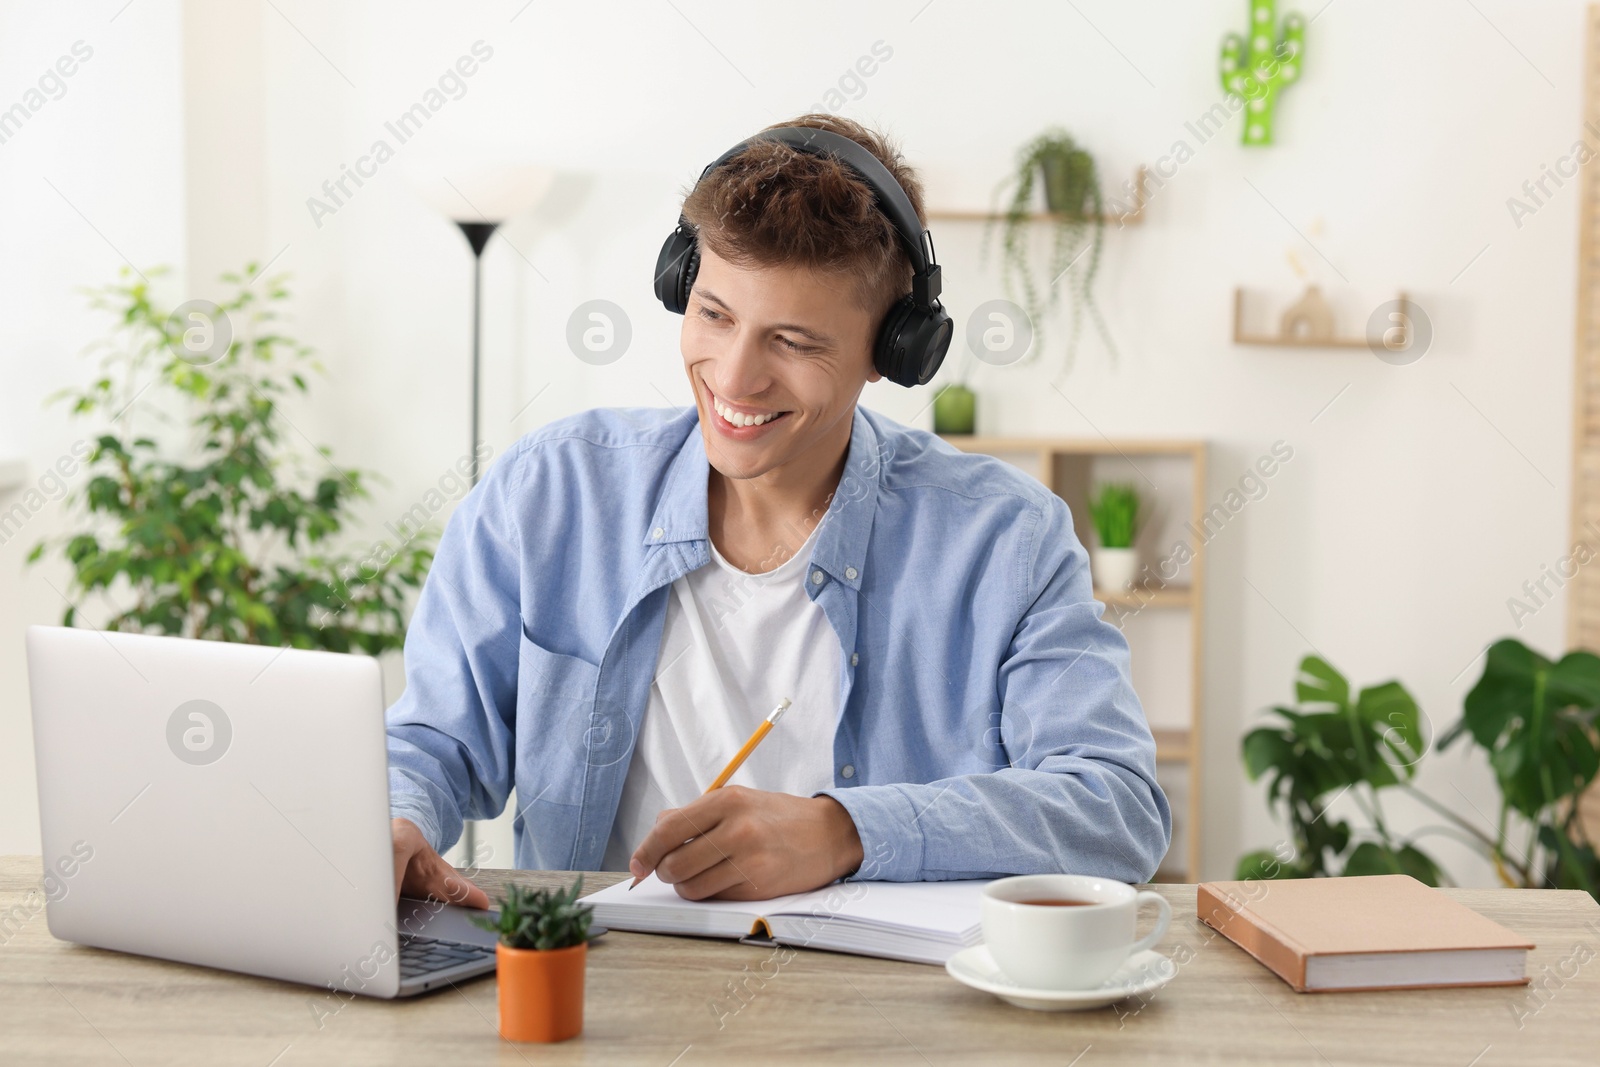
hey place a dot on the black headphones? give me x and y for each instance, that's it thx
(916, 332)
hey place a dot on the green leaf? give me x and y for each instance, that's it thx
(1266, 749)
(1575, 680)
(1264, 865)
(1320, 683)
(1504, 691)
(1374, 857)
(1536, 721)
(544, 918)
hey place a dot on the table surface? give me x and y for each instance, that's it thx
(683, 1001)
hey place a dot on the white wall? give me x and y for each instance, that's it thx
(91, 177)
(1416, 503)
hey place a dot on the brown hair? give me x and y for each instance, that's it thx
(773, 205)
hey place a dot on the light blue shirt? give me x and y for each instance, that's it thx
(988, 724)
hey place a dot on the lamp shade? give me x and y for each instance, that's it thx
(481, 192)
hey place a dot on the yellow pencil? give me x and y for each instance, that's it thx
(744, 753)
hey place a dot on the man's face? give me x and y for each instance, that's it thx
(775, 343)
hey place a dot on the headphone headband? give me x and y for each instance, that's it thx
(915, 334)
(891, 197)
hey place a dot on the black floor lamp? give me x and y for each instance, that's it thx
(477, 235)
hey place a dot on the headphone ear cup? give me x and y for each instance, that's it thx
(912, 342)
(675, 270)
(691, 270)
(888, 354)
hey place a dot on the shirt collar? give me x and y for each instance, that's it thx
(841, 547)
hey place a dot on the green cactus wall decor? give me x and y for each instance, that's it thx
(1257, 68)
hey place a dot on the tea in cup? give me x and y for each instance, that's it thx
(1065, 931)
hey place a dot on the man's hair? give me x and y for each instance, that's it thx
(773, 205)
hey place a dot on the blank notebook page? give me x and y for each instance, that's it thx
(922, 921)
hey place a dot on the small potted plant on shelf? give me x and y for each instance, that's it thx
(539, 962)
(955, 409)
(1115, 510)
(1072, 195)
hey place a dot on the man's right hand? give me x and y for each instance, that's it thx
(423, 874)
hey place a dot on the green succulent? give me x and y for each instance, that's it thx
(1115, 511)
(542, 919)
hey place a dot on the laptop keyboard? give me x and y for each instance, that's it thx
(424, 955)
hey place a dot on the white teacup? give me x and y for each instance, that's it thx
(1053, 946)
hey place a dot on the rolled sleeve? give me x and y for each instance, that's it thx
(451, 734)
(1080, 794)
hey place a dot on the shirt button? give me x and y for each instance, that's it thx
(847, 771)
(850, 573)
(658, 533)
(816, 577)
(855, 657)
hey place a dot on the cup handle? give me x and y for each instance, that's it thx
(1162, 921)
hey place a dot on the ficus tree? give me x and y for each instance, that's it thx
(203, 514)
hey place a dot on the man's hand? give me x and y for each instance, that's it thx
(423, 874)
(747, 844)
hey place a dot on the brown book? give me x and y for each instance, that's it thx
(1385, 931)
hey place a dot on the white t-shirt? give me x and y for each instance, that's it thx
(732, 645)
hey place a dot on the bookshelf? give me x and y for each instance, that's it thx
(1161, 619)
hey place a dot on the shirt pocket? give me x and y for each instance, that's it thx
(558, 713)
(565, 679)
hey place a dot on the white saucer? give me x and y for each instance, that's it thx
(1140, 973)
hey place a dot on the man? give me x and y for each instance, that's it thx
(628, 593)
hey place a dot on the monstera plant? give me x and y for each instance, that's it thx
(1334, 744)
(1536, 720)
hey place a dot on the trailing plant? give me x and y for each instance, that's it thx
(222, 533)
(1330, 746)
(1537, 722)
(542, 919)
(1071, 185)
(1115, 511)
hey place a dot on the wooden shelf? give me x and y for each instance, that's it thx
(1242, 338)
(1082, 446)
(1171, 597)
(1172, 746)
(1141, 197)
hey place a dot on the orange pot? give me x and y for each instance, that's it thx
(541, 993)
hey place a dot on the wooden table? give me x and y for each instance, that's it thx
(684, 1001)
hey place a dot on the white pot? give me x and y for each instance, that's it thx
(1114, 569)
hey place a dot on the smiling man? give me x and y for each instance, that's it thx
(629, 592)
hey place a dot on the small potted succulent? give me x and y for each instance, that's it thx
(1115, 510)
(539, 962)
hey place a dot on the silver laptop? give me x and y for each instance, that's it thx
(228, 805)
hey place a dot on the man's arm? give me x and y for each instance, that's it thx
(1080, 795)
(451, 732)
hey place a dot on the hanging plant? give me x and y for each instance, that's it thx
(1071, 187)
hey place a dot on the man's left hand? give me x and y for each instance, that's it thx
(747, 844)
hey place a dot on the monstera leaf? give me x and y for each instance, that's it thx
(1536, 719)
(1321, 749)
(1374, 857)
(1376, 739)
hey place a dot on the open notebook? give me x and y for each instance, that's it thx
(924, 922)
